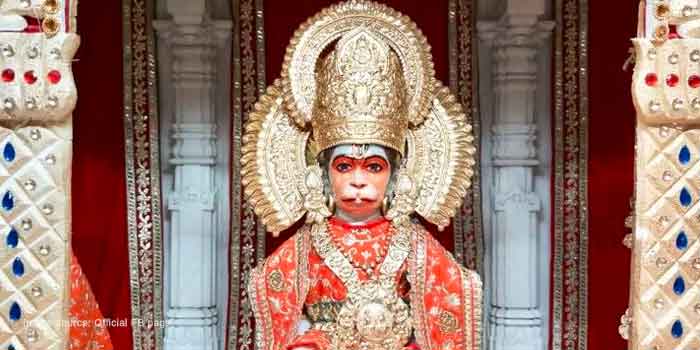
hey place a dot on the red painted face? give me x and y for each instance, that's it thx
(359, 186)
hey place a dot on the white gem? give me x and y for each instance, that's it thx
(44, 250)
(667, 176)
(27, 224)
(32, 335)
(673, 59)
(55, 54)
(695, 55)
(30, 103)
(677, 104)
(47, 209)
(53, 101)
(661, 261)
(33, 52)
(36, 291)
(651, 53)
(654, 106)
(663, 131)
(8, 104)
(8, 51)
(696, 263)
(35, 134)
(687, 11)
(51, 159)
(659, 303)
(30, 185)
(25, 3)
(695, 103)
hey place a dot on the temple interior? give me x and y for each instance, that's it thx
(164, 160)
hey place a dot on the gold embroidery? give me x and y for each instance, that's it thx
(468, 236)
(447, 322)
(276, 281)
(570, 250)
(141, 127)
(323, 311)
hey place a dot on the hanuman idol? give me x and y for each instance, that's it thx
(361, 141)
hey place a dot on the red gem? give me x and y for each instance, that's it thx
(673, 32)
(30, 77)
(651, 79)
(694, 81)
(672, 80)
(54, 76)
(8, 75)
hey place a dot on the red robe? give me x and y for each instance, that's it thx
(445, 297)
(89, 334)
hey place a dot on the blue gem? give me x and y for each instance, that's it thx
(12, 238)
(677, 329)
(679, 286)
(685, 197)
(9, 152)
(684, 155)
(18, 267)
(15, 312)
(8, 201)
(682, 241)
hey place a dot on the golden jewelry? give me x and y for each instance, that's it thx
(374, 317)
(361, 95)
(313, 195)
(380, 246)
(345, 20)
(331, 204)
(379, 65)
(404, 198)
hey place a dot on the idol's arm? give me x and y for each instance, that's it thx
(277, 291)
(446, 298)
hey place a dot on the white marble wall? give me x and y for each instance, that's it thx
(194, 66)
(514, 95)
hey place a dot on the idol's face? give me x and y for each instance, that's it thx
(359, 186)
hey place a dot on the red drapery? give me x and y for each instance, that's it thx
(611, 167)
(98, 185)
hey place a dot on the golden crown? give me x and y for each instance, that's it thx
(361, 95)
(357, 72)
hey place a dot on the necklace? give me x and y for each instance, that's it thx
(346, 246)
(373, 317)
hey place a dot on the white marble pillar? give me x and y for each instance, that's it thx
(515, 314)
(192, 311)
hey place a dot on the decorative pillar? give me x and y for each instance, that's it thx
(515, 316)
(192, 312)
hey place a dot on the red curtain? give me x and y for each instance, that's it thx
(98, 185)
(283, 18)
(611, 168)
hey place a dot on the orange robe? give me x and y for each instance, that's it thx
(445, 298)
(89, 333)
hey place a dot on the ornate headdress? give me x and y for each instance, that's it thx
(361, 95)
(356, 73)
